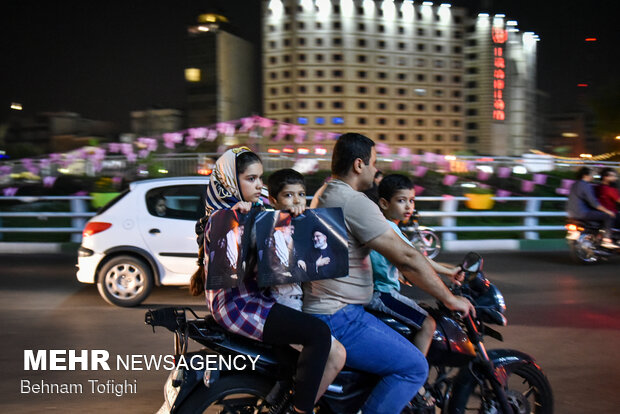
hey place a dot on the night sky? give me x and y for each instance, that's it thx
(105, 59)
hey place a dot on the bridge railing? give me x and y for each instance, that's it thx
(450, 209)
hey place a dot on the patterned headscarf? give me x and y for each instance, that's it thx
(223, 190)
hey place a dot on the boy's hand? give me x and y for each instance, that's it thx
(243, 207)
(297, 210)
(457, 275)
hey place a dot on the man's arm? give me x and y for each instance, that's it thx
(417, 270)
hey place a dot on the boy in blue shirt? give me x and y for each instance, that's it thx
(397, 202)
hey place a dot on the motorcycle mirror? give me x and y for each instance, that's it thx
(472, 262)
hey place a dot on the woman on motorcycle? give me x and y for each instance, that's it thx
(250, 311)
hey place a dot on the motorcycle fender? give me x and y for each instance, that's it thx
(509, 357)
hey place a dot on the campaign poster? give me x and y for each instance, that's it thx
(312, 246)
(228, 248)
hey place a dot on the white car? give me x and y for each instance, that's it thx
(143, 238)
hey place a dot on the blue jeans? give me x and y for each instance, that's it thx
(374, 347)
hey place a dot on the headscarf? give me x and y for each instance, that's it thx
(223, 189)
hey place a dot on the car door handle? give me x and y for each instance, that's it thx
(154, 231)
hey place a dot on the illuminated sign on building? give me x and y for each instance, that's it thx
(499, 36)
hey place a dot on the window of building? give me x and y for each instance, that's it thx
(273, 91)
(337, 57)
(286, 74)
(272, 28)
(319, 57)
(301, 25)
(456, 138)
(301, 57)
(471, 98)
(337, 89)
(438, 33)
(438, 137)
(381, 90)
(439, 78)
(336, 9)
(337, 104)
(456, 108)
(381, 105)
(420, 47)
(318, 25)
(471, 126)
(286, 58)
(381, 44)
(401, 30)
(401, 91)
(420, 62)
(472, 84)
(457, 50)
(381, 28)
(471, 56)
(301, 104)
(438, 63)
(401, 137)
(336, 25)
(361, 58)
(319, 73)
(420, 77)
(456, 93)
(420, 137)
(401, 76)
(456, 123)
(382, 137)
(287, 27)
(458, 19)
(401, 107)
(438, 122)
(273, 106)
(438, 108)
(420, 91)
(273, 75)
(438, 48)
(301, 73)
(402, 121)
(337, 41)
(273, 60)
(287, 105)
(272, 44)
(319, 104)
(471, 70)
(457, 64)
(286, 89)
(337, 73)
(301, 88)
(472, 139)
(286, 42)
(318, 88)
(318, 41)
(381, 121)
(438, 92)
(382, 60)
(361, 42)
(361, 73)
(361, 89)
(361, 27)
(301, 41)
(361, 105)
(458, 34)
(421, 31)
(381, 75)
(456, 79)
(361, 121)
(401, 61)
(420, 122)
(420, 107)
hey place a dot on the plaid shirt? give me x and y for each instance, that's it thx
(242, 310)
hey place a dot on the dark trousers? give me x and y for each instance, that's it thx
(285, 325)
(596, 215)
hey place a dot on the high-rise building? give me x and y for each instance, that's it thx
(221, 77)
(409, 74)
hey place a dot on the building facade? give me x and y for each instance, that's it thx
(409, 74)
(221, 76)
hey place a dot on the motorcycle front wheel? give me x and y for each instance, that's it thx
(583, 250)
(528, 392)
(428, 242)
(234, 394)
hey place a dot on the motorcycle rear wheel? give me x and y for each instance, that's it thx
(528, 392)
(234, 394)
(583, 250)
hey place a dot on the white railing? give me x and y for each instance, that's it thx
(447, 215)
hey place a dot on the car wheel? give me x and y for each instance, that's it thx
(125, 281)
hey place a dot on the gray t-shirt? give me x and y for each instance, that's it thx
(364, 223)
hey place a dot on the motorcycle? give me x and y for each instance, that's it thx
(584, 240)
(422, 237)
(465, 377)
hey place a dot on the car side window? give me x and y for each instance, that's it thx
(181, 202)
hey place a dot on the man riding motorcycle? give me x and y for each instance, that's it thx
(582, 205)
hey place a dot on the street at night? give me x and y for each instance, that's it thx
(566, 316)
